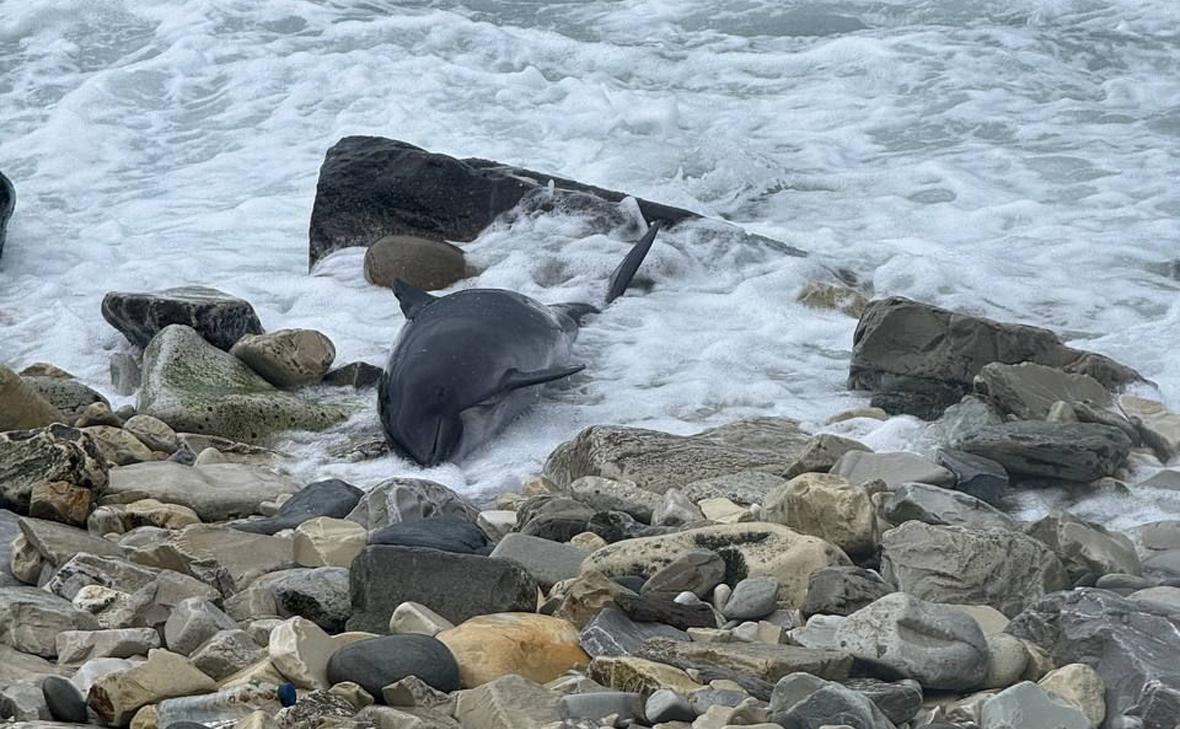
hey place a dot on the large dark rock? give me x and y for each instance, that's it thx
(976, 476)
(1067, 451)
(376, 663)
(64, 700)
(218, 317)
(446, 533)
(903, 347)
(612, 633)
(333, 498)
(900, 701)
(802, 701)
(371, 187)
(1131, 644)
(7, 205)
(456, 586)
(843, 590)
(322, 595)
(408, 499)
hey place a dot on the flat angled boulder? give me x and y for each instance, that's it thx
(1028, 390)
(30, 620)
(761, 660)
(409, 499)
(449, 534)
(218, 317)
(612, 633)
(1067, 451)
(331, 498)
(216, 491)
(59, 543)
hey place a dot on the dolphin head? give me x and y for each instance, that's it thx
(422, 419)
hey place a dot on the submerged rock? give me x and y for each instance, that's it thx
(1067, 451)
(219, 318)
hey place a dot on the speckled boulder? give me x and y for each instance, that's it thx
(288, 357)
(215, 315)
(194, 387)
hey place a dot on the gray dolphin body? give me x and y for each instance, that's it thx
(466, 364)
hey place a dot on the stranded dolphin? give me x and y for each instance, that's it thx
(467, 363)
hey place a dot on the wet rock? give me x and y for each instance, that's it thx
(749, 549)
(288, 357)
(803, 701)
(22, 407)
(423, 263)
(998, 567)
(1067, 451)
(7, 205)
(824, 295)
(448, 534)
(538, 647)
(612, 633)
(378, 662)
(192, 386)
(357, 375)
(78, 646)
(843, 590)
(383, 577)
(117, 696)
(37, 464)
(826, 506)
(219, 318)
(937, 646)
(1158, 427)
(1027, 704)
(658, 461)
(548, 562)
(697, 571)
(1029, 390)
(935, 505)
(894, 469)
(215, 492)
(408, 499)
(1086, 548)
(511, 702)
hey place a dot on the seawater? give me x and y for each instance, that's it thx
(1011, 158)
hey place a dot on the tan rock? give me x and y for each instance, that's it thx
(120, 447)
(263, 672)
(628, 673)
(60, 501)
(990, 620)
(826, 506)
(117, 696)
(146, 718)
(765, 549)
(538, 647)
(25, 562)
(426, 264)
(724, 511)
(287, 357)
(354, 693)
(300, 650)
(512, 702)
(1040, 662)
(414, 618)
(833, 296)
(328, 542)
(869, 412)
(150, 512)
(22, 407)
(588, 541)
(1081, 686)
(496, 523)
(1007, 661)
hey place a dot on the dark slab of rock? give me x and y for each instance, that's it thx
(1158, 706)
(843, 590)
(1066, 451)
(357, 375)
(445, 533)
(977, 476)
(904, 346)
(549, 516)
(371, 187)
(64, 700)
(220, 318)
(617, 526)
(376, 663)
(900, 701)
(612, 633)
(760, 660)
(802, 701)
(456, 586)
(656, 609)
(332, 497)
(1131, 644)
(7, 205)
(934, 505)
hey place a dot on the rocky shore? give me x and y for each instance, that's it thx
(160, 568)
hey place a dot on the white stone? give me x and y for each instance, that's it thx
(300, 650)
(328, 542)
(413, 618)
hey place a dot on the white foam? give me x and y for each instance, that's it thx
(1005, 157)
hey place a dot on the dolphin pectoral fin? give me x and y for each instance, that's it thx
(575, 312)
(621, 278)
(411, 298)
(516, 379)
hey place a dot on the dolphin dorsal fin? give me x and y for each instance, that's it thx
(515, 379)
(411, 298)
(621, 278)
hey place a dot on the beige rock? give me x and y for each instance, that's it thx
(117, 696)
(496, 523)
(538, 647)
(96, 598)
(765, 549)
(822, 452)
(414, 618)
(150, 512)
(1040, 662)
(328, 542)
(197, 548)
(300, 650)
(76, 646)
(287, 357)
(22, 407)
(256, 720)
(98, 413)
(216, 492)
(1081, 686)
(120, 447)
(724, 511)
(867, 412)
(263, 672)
(25, 562)
(1007, 661)
(628, 673)
(826, 506)
(426, 264)
(61, 502)
(153, 433)
(990, 620)
(146, 718)
(837, 297)
(588, 541)
(354, 693)
(584, 597)
(512, 702)
(413, 691)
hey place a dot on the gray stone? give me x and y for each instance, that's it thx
(762, 661)
(1029, 390)
(408, 499)
(558, 518)
(605, 494)
(658, 461)
(70, 396)
(752, 598)
(1131, 644)
(1086, 548)
(216, 316)
(900, 701)
(803, 701)
(667, 705)
(227, 652)
(151, 606)
(1163, 595)
(383, 577)
(597, 705)
(1067, 451)
(64, 700)
(743, 487)
(357, 375)
(331, 498)
(998, 567)
(320, 594)
(21, 406)
(31, 460)
(288, 357)
(195, 387)
(7, 205)
(675, 509)
(843, 590)
(935, 505)
(1158, 706)
(1028, 705)
(223, 557)
(821, 453)
(30, 620)
(216, 492)
(511, 702)
(16, 666)
(193, 622)
(23, 701)
(548, 562)
(939, 647)
(697, 570)
(86, 569)
(892, 468)
(976, 476)
(612, 633)
(77, 646)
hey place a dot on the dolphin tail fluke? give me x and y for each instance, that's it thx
(410, 297)
(621, 278)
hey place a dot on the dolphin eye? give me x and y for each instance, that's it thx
(440, 394)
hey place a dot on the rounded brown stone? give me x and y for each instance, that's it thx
(420, 262)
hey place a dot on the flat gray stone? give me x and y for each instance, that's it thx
(1028, 705)
(1067, 451)
(893, 468)
(752, 598)
(1029, 390)
(612, 633)
(217, 491)
(936, 505)
(193, 622)
(548, 562)
(30, 620)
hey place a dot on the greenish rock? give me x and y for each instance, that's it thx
(195, 387)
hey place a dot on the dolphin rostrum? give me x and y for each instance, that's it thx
(467, 363)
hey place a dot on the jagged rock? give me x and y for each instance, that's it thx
(1029, 390)
(538, 647)
(548, 562)
(826, 506)
(821, 453)
(376, 663)
(215, 492)
(413, 691)
(300, 651)
(383, 577)
(287, 357)
(216, 316)
(226, 652)
(1080, 685)
(658, 461)
(357, 375)
(1158, 427)
(894, 469)
(612, 633)
(33, 460)
(22, 407)
(1086, 548)
(605, 494)
(803, 701)
(321, 595)
(151, 605)
(937, 646)
(215, 554)
(1067, 451)
(743, 487)
(193, 386)
(410, 618)
(58, 543)
(999, 567)
(639, 675)
(24, 702)
(1027, 705)
(765, 662)
(63, 391)
(934, 505)
(16, 666)
(511, 702)
(408, 499)
(9, 531)
(318, 708)
(598, 705)
(697, 571)
(87, 569)
(327, 542)
(77, 646)
(899, 701)
(843, 590)
(748, 549)
(117, 696)
(666, 705)
(445, 533)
